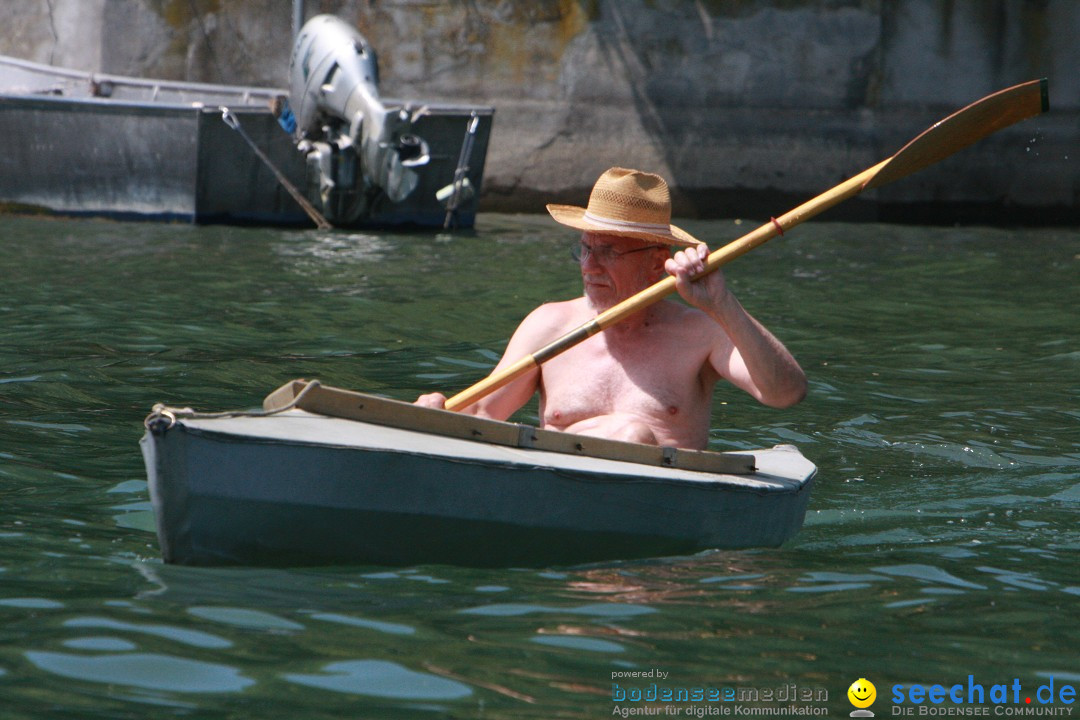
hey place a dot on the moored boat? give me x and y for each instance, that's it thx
(94, 144)
(326, 475)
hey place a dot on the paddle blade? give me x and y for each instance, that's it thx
(964, 127)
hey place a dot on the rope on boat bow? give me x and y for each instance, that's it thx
(162, 417)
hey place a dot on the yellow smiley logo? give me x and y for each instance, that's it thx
(862, 693)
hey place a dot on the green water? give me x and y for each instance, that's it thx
(941, 540)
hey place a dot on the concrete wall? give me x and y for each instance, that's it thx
(747, 106)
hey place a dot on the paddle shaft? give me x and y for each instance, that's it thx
(955, 132)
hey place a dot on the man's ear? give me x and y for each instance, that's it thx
(659, 258)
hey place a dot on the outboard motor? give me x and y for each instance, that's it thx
(357, 148)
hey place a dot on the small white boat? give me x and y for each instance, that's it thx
(392, 483)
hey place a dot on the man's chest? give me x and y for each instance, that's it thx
(602, 376)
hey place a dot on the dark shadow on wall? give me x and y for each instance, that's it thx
(695, 118)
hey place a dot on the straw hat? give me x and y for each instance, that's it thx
(627, 203)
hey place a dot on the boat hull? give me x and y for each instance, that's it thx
(299, 488)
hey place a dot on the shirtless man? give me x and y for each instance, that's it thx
(648, 379)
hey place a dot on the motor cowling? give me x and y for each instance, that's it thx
(358, 148)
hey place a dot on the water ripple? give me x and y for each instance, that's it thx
(194, 638)
(143, 670)
(577, 642)
(930, 574)
(612, 610)
(244, 618)
(378, 625)
(31, 603)
(101, 644)
(1025, 581)
(383, 679)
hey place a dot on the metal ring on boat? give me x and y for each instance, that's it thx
(160, 420)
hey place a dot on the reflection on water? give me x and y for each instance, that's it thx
(940, 540)
(194, 638)
(142, 670)
(382, 679)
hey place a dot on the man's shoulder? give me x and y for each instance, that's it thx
(692, 321)
(560, 310)
(554, 318)
(680, 312)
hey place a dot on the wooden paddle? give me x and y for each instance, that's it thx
(955, 132)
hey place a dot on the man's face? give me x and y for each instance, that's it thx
(614, 268)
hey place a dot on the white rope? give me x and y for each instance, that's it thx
(169, 415)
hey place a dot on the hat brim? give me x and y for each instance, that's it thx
(573, 216)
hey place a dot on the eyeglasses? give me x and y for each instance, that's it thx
(604, 253)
